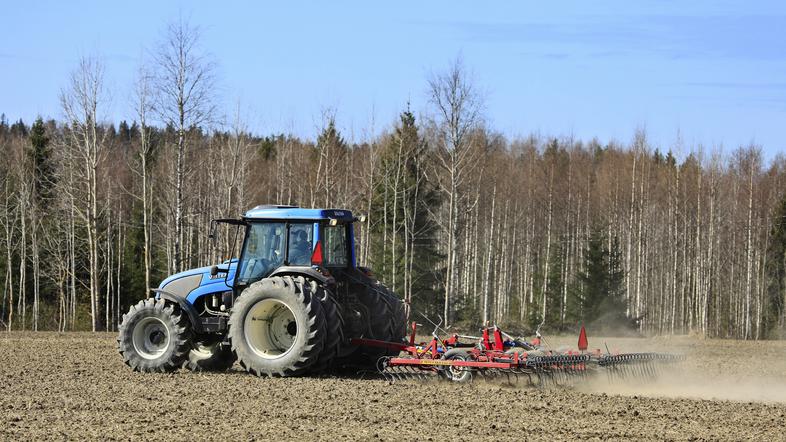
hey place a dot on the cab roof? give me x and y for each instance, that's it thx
(274, 212)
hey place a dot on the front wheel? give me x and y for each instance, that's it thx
(155, 336)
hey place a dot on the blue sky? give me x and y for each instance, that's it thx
(714, 71)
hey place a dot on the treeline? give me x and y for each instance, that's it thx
(462, 222)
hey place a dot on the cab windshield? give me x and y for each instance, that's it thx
(263, 251)
(267, 244)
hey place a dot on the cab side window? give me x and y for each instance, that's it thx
(335, 250)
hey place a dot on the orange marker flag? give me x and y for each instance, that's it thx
(583, 344)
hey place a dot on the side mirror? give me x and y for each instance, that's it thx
(216, 269)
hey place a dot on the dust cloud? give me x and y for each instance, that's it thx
(680, 384)
(745, 371)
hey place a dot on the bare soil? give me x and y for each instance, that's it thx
(75, 386)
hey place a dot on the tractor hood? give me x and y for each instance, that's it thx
(194, 283)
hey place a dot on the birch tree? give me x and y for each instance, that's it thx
(184, 99)
(81, 101)
(457, 106)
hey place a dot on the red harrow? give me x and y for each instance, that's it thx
(497, 354)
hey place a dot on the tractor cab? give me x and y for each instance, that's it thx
(288, 239)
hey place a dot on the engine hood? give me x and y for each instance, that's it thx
(196, 282)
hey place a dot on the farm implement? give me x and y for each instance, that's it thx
(496, 354)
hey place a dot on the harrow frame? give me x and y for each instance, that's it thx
(493, 356)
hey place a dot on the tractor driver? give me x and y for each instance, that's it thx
(299, 249)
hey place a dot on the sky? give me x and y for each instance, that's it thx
(711, 73)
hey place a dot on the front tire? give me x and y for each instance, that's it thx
(277, 327)
(155, 336)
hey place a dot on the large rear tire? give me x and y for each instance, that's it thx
(277, 327)
(154, 336)
(334, 330)
(382, 322)
(398, 314)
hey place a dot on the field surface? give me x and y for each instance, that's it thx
(75, 387)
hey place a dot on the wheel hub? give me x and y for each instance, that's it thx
(270, 328)
(157, 337)
(150, 338)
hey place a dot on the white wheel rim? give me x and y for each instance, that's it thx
(458, 373)
(270, 328)
(150, 338)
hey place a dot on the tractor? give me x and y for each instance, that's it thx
(290, 305)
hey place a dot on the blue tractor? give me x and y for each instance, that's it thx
(288, 306)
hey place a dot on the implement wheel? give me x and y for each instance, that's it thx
(277, 327)
(155, 336)
(457, 374)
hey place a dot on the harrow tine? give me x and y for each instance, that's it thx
(646, 366)
(545, 378)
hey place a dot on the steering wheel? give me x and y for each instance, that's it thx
(255, 267)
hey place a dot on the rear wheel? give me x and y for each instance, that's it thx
(334, 334)
(384, 321)
(398, 314)
(155, 336)
(277, 327)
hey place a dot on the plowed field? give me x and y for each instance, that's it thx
(74, 386)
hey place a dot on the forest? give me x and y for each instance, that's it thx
(463, 222)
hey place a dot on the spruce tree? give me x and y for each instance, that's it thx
(593, 277)
(41, 160)
(401, 202)
(601, 292)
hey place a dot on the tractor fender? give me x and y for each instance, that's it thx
(196, 324)
(309, 272)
